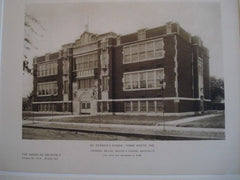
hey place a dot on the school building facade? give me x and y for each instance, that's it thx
(151, 71)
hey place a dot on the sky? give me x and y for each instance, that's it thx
(64, 23)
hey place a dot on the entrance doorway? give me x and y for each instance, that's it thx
(85, 107)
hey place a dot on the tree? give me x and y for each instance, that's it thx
(27, 102)
(31, 31)
(217, 89)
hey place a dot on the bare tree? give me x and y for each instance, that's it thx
(31, 31)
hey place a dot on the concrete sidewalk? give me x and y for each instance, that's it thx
(134, 130)
(50, 117)
(186, 120)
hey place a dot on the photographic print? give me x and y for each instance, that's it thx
(123, 71)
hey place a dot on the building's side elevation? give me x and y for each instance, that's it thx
(152, 71)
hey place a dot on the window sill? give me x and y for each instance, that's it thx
(143, 89)
(48, 95)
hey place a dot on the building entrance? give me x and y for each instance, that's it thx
(85, 108)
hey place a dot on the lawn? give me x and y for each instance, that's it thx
(119, 119)
(27, 114)
(213, 122)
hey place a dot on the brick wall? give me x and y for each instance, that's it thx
(57, 78)
(185, 78)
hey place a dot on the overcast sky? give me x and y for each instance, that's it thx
(64, 23)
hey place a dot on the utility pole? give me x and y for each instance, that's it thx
(163, 84)
(52, 106)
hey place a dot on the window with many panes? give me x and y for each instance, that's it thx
(150, 106)
(47, 107)
(47, 89)
(47, 69)
(143, 51)
(86, 62)
(86, 83)
(148, 79)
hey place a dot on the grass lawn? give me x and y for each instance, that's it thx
(119, 119)
(26, 114)
(213, 122)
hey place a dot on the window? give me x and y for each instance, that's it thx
(86, 62)
(150, 50)
(47, 89)
(85, 65)
(86, 73)
(48, 69)
(143, 51)
(151, 106)
(135, 106)
(143, 80)
(65, 107)
(148, 79)
(47, 107)
(135, 81)
(86, 105)
(39, 107)
(134, 53)
(127, 106)
(53, 107)
(159, 106)
(127, 81)
(159, 78)
(143, 107)
(86, 83)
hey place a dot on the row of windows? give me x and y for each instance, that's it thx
(143, 106)
(86, 83)
(47, 89)
(87, 62)
(143, 80)
(47, 107)
(66, 107)
(47, 69)
(85, 73)
(134, 80)
(143, 51)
